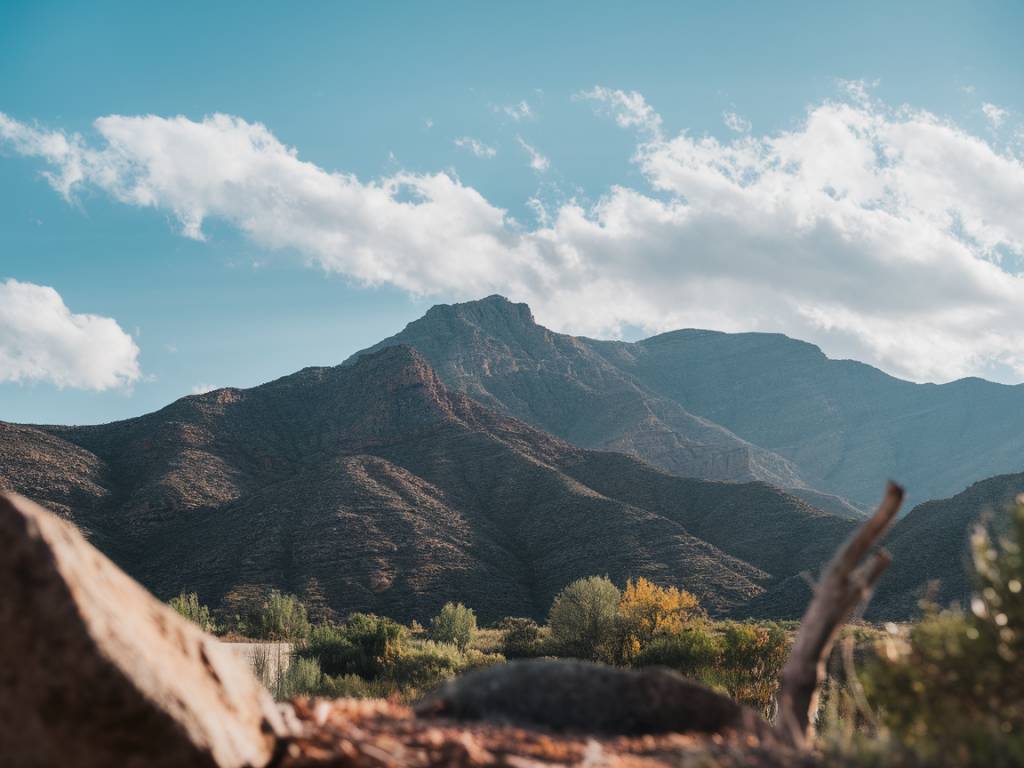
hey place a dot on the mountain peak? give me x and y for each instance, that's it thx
(486, 311)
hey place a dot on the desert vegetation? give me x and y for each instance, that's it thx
(944, 690)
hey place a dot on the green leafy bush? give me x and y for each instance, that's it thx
(693, 651)
(366, 645)
(283, 617)
(751, 661)
(188, 605)
(455, 624)
(520, 638)
(583, 619)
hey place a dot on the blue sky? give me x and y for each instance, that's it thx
(384, 91)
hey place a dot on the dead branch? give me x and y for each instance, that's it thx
(845, 583)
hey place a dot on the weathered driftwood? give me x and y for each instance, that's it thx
(847, 582)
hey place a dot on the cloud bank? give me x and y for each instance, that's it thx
(889, 235)
(42, 340)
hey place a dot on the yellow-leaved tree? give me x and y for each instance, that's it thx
(647, 611)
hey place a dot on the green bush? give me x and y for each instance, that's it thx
(283, 618)
(355, 687)
(583, 619)
(693, 651)
(455, 624)
(301, 677)
(366, 645)
(520, 638)
(752, 659)
(188, 605)
(425, 664)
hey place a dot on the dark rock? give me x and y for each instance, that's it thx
(582, 697)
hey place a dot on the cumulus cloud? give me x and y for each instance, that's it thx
(888, 235)
(478, 148)
(994, 114)
(538, 162)
(202, 389)
(42, 340)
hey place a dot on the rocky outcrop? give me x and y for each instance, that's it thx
(96, 672)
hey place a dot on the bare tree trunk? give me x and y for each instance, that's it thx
(845, 583)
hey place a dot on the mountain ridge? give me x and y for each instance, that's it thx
(392, 493)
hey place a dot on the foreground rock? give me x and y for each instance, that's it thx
(372, 734)
(591, 698)
(96, 672)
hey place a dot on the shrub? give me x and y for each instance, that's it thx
(355, 687)
(693, 651)
(583, 619)
(951, 687)
(647, 611)
(366, 645)
(301, 677)
(751, 661)
(520, 637)
(188, 605)
(425, 664)
(455, 624)
(283, 617)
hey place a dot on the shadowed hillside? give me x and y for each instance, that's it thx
(396, 494)
(843, 423)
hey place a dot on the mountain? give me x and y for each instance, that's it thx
(384, 490)
(844, 424)
(930, 547)
(729, 406)
(582, 391)
(931, 544)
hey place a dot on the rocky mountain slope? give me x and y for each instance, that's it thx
(729, 406)
(582, 391)
(393, 494)
(842, 423)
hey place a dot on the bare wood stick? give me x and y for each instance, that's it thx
(845, 583)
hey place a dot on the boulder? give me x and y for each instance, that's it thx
(581, 697)
(94, 671)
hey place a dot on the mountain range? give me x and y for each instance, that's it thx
(393, 493)
(730, 406)
(478, 456)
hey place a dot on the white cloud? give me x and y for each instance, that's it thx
(202, 389)
(629, 109)
(518, 112)
(478, 148)
(995, 115)
(42, 340)
(736, 123)
(538, 162)
(888, 235)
